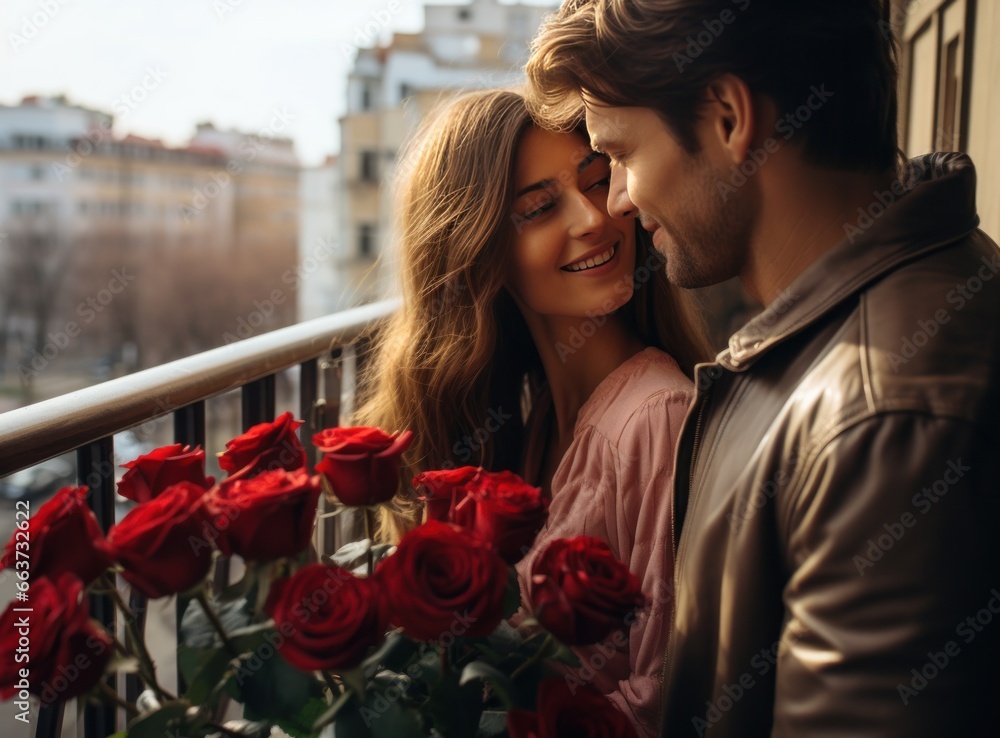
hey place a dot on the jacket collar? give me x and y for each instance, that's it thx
(932, 204)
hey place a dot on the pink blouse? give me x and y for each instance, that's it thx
(615, 483)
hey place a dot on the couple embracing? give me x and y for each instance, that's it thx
(814, 510)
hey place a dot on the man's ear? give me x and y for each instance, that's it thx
(729, 119)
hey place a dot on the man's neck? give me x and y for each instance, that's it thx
(804, 217)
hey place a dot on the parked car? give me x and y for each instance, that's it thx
(41, 480)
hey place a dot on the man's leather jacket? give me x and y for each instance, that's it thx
(836, 491)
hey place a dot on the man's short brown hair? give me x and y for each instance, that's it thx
(663, 54)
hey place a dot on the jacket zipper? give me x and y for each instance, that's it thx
(676, 544)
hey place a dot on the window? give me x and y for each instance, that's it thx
(366, 241)
(937, 50)
(367, 95)
(28, 143)
(369, 166)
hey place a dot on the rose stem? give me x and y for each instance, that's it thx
(140, 643)
(535, 657)
(334, 687)
(216, 623)
(113, 695)
(371, 544)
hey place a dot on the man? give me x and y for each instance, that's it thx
(837, 478)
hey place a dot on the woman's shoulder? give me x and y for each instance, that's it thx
(649, 385)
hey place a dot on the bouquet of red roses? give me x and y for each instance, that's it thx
(418, 645)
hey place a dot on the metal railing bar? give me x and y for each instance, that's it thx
(189, 429)
(96, 469)
(32, 434)
(258, 399)
(189, 424)
(308, 395)
(50, 721)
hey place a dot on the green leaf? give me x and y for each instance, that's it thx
(355, 679)
(395, 654)
(165, 721)
(271, 688)
(207, 679)
(192, 660)
(455, 709)
(562, 654)
(512, 594)
(251, 637)
(197, 630)
(496, 679)
(387, 718)
(301, 726)
(331, 713)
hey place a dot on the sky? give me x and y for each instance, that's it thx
(162, 67)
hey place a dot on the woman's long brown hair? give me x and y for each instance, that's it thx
(459, 348)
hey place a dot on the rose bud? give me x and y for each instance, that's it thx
(332, 618)
(444, 492)
(163, 544)
(580, 592)
(66, 652)
(265, 447)
(152, 473)
(444, 579)
(509, 513)
(580, 712)
(265, 517)
(63, 536)
(361, 464)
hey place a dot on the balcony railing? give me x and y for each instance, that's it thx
(86, 421)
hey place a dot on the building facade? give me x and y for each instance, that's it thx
(949, 68)
(121, 253)
(479, 45)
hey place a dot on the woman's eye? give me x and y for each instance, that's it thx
(605, 182)
(532, 214)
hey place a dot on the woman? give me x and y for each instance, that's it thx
(538, 334)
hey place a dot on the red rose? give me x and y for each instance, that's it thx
(361, 464)
(499, 506)
(580, 712)
(580, 592)
(163, 544)
(152, 473)
(265, 447)
(66, 650)
(63, 536)
(331, 617)
(444, 579)
(444, 491)
(509, 513)
(265, 517)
